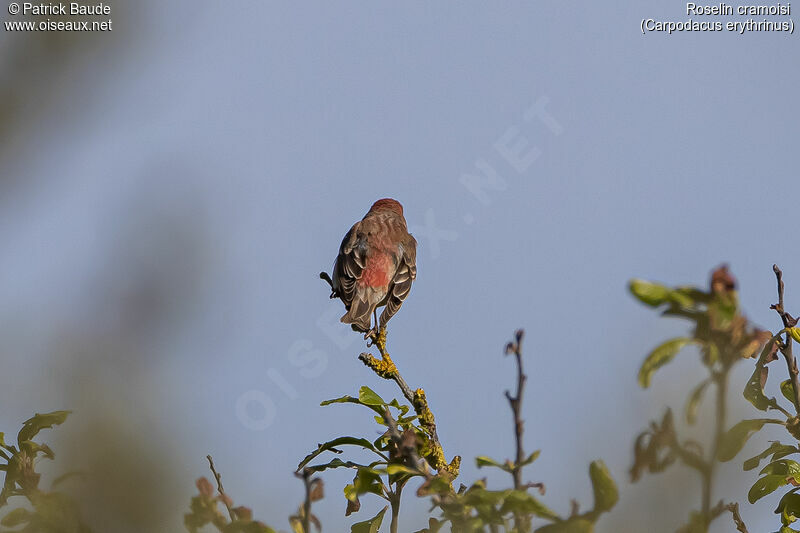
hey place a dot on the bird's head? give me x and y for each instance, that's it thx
(387, 204)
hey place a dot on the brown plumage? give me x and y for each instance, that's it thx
(376, 265)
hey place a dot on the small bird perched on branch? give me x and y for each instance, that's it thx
(376, 265)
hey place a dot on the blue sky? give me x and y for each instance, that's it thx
(226, 148)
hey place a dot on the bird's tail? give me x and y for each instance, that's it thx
(359, 315)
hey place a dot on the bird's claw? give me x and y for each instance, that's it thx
(377, 337)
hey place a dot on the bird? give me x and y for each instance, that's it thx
(375, 267)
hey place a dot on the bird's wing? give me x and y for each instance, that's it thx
(350, 263)
(405, 274)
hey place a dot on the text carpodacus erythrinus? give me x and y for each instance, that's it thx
(376, 265)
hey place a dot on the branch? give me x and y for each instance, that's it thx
(516, 406)
(733, 508)
(420, 403)
(386, 369)
(224, 497)
(786, 349)
(737, 518)
(367, 359)
(521, 522)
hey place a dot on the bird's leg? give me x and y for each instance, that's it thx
(377, 336)
(372, 335)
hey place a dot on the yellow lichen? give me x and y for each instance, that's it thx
(384, 367)
(429, 448)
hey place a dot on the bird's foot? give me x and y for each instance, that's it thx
(377, 337)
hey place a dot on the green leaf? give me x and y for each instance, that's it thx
(765, 485)
(395, 468)
(694, 401)
(342, 399)
(655, 294)
(784, 467)
(523, 502)
(366, 480)
(34, 448)
(335, 463)
(649, 293)
(776, 449)
(483, 460)
(659, 357)
(787, 390)
(434, 526)
(789, 504)
(402, 408)
(531, 458)
(17, 517)
(688, 295)
(32, 426)
(372, 525)
(350, 399)
(331, 446)
(754, 390)
(478, 495)
(735, 438)
(572, 525)
(369, 397)
(439, 484)
(605, 490)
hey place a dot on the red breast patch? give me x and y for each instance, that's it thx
(377, 273)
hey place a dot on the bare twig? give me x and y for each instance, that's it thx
(733, 508)
(521, 523)
(786, 348)
(737, 518)
(224, 497)
(516, 406)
